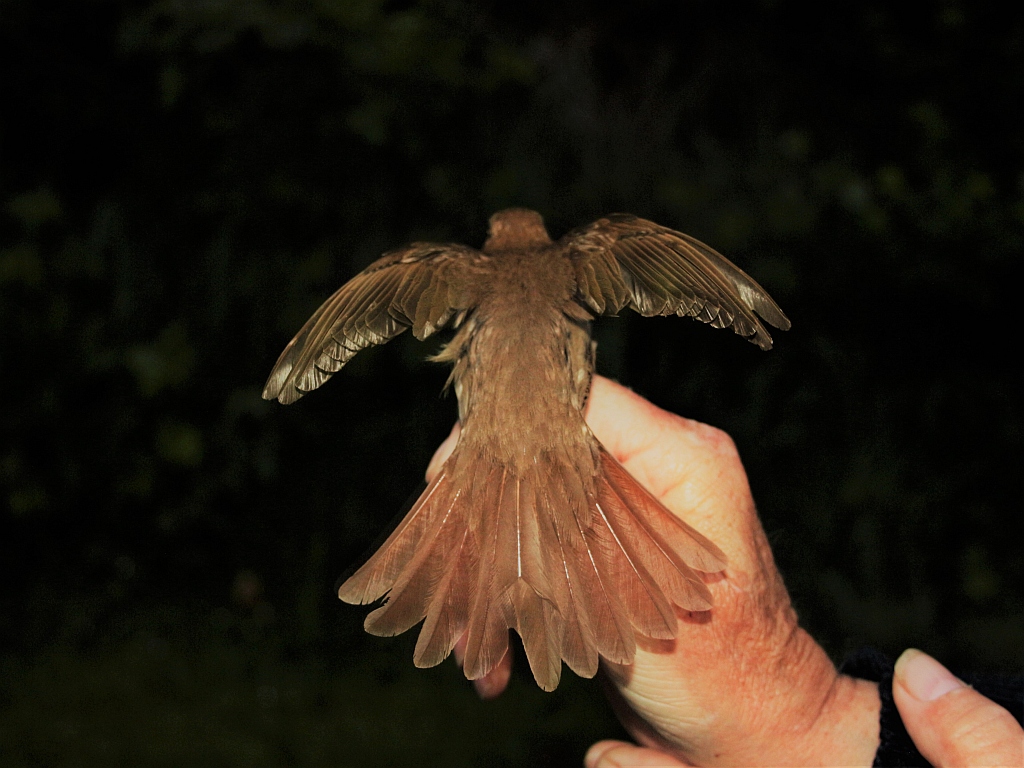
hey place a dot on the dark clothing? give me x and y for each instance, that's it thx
(896, 750)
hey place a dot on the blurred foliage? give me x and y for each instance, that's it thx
(183, 181)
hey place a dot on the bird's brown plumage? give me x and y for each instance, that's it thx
(530, 525)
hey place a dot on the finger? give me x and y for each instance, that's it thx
(693, 468)
(444, 450)
(460, 650)
(951, 723)
(619, 754)
(494, 683)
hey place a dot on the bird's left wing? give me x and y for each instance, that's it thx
(423, 286)
(625, 261)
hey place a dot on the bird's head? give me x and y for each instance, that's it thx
(516, 228)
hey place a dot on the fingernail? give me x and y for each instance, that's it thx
(923, 677)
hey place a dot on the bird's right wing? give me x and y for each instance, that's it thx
(423, 286)
(625, 261)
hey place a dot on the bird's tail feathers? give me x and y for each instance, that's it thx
(577, 566)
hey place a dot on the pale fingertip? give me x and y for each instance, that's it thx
(444, 450)
(619, 754)
(487, 689)
(459, 651)
(595, 757)
(923, 677)
(494, 683)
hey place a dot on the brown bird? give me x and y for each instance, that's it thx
(530, 524)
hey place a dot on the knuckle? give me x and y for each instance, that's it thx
(715, 439)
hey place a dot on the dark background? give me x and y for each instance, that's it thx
(183, 182)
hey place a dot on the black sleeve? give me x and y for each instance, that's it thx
(896, 750)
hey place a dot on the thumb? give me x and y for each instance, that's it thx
(951, 723)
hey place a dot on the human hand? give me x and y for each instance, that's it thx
(950, 722)
(742, 684)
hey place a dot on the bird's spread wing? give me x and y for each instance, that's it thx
(624, 261)
(423, 286)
